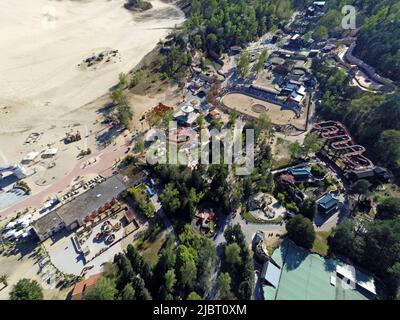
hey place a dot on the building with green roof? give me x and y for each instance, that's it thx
(327, 204)
(308, 276)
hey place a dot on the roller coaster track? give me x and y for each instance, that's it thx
(341, 141)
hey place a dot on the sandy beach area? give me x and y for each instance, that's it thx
(43, 42)
(45, 87)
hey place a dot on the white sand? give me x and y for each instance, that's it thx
(39, 62)
(43, 41)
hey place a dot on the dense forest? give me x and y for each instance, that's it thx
(374, 121)
(378, 39)
(217, 25)
(377, 248)
(182, 271)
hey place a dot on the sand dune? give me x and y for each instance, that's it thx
(43, 41)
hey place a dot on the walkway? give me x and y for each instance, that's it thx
(104, 166)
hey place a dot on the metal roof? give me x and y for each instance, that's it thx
(91, 200)
(272, 274)
(308, 276)
(327, 201)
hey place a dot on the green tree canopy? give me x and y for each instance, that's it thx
(103, 290)
(193, 296)
(301, 231)
(128, 293)
(170, 198)
(26, 289)
(389, 208)
(224, 284)
(232, 254)
(243, 64)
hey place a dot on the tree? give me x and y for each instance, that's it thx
(118, 96)
(360, 187)
(394, 276)
(193, 296)
(342, 238)
(224, 284)
(243, 64)
(216, 124)
(124, 114)
(128, 293)
(137, 76)
(233, 115)
(245, 291)
(232, 254)
(389, 208)
(388, 148)
(141, 291)
(4, 279)
(312, 143)
(26, 289)
(295, 150)
(139, 145)
(125, 271)
(320, 33)
(263, 126)
(193, 200)
(261, 61)
(301, 231)
(200, 121)
(234, 234)
(188, 274)
(170, 280)
(139, 265)
(205, 264)
(309, 208)
(170, 198)
(123, 80)
(103, 290)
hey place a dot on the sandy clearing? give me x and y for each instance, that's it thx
(43, 41)
(41, 85)
(243, 103)
(43, 90)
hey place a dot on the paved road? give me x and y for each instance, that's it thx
(249, 230)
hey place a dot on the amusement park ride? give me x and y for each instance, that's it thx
(70, 137)
(341, 141)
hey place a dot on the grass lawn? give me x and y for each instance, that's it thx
(150, 253)
(390, 190)
(320, 245)
(250, 218)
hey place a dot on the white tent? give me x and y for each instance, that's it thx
(11, 225)
(22, 219)
(50, 152)
(30, 156)
(10, 234)
(18, 234)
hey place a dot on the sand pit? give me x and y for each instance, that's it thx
(43, 89)
(258, 108)
(43, 42)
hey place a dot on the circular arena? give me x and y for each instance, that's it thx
(251, 101)
(258, 108)
(253, 108)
